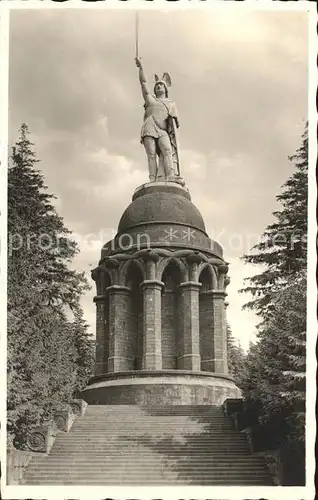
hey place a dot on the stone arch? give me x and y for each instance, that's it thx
(165, 262)
(207, 277)
(125, 268)
(103, 279)
(170, 313)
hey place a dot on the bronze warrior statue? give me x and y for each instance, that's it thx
(158, 133)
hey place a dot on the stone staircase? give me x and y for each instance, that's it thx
(118, 445)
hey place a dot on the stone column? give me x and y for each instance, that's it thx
(151, 292)
(219, 330)
(152, 357)
(207, 331)
(120, 359)
(190, 349)
(101, 335)
(226, 366)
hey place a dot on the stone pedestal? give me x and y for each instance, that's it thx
(152, 357)
(166, 387)
(190, 356)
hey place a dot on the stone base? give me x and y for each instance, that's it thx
(166, 387)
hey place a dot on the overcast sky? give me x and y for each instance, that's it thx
(239, 79)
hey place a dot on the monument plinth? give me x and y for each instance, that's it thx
(160, 311)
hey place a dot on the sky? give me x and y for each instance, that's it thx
(239, 79)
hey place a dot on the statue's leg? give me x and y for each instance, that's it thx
(150, 147)
(166, 150)
(161, 171)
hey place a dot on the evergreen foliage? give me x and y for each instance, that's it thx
(282, 249)
(236, 357)
(49, 354)
(275, 376)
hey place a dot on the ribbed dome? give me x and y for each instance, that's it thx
(161, 202)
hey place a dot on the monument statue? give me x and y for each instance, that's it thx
(158, 133)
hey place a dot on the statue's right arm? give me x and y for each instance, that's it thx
(142, 79)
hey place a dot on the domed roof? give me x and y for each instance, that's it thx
(161, 202)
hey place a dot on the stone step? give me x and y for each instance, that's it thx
(93, 473)
(246, 460)
(158, 447)
(151, 483)
(191, 431)
(95, 410)
(157, 419)
(123, 444)
(147, 418)
(191, 467)
(152, 423)
(157, 408)
(155, 449)
(104, 450)
(97, 436)
(165, 440)
(88, 462)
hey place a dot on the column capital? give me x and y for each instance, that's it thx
(190, 285)
(99, 298)
(223, 267)
(148, 255)
(111, 263)
(195, 258)
(97, 272)
(114, 289)
(152, 284)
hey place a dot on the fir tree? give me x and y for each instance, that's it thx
(85, 351)
(283, 246)
(43, 346)
(236, 356)
(276, 365)
(274, 378)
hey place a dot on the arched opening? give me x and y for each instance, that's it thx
(170, 316)
(134, 316)
(206, 329)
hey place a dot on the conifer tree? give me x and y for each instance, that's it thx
(276, 365)
(274, 378)
(236, 356)
(283, 246)
(85, 350)
(43, 293)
